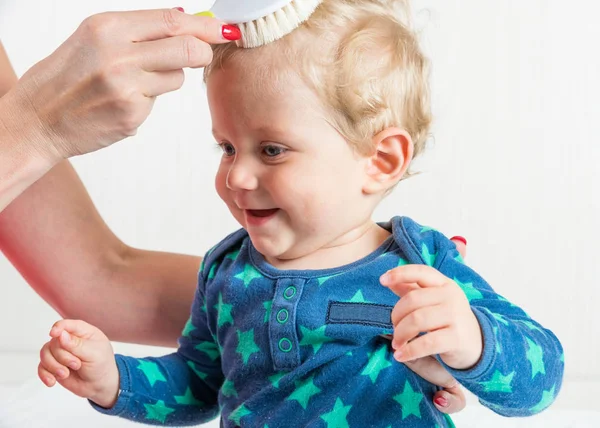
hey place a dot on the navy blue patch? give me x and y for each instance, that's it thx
(360, 313)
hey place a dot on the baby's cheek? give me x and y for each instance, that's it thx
(221, 184)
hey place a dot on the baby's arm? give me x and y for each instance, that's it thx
(177, 389)
(521, 368)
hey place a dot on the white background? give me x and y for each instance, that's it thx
(513, 166)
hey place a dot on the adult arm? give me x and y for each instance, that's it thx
(97, 88)
(56, 238)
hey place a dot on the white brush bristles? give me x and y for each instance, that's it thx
(276, 25)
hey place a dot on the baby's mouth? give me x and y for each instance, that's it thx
(263, 213)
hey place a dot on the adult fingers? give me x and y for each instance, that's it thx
(174, 53)
(461, 245)
(146, 25)
(450, 400)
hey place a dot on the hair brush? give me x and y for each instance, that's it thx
(264, 21)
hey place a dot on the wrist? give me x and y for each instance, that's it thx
(23, 160)
(108, 393)
(472, 353)
(24, 133)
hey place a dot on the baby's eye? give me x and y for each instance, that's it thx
(272, 151)
(227, 148)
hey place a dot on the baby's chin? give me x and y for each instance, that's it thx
(269, 249)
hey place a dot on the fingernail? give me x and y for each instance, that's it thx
(459, 238)
(441, 401)
(205, 13)
(66, 336)
(61, 373)
(53, 330)
(231, 32)
(398, 355)
(180, 9)
(73, 365)
(385, 279)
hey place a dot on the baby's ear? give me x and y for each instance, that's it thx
(393, 152)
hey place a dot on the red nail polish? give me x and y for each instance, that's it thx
(231, 32)
(180, 9)
(441, 401)
(459, 238)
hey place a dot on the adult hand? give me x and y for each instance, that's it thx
(99, 86)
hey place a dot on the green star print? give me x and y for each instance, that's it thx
(198, 373)
(224, 312)
(427, 256)
(337, 417)
(409, 401)
(151, 371)
(377, 362)
(158, 411)
(248, 275)
(246, 345)
(233, 255)
(213, 271)
(188, 399)
(535, 355)
(547, 398)
(471, 292)
(325, 278)
(237, 415)
(228, 389)
(276, 378)
(315, 338)
(189, 327)
(304, 392)
(499, 382)
(209, 348)
(267, 305)
(358, 298)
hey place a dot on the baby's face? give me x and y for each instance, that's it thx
(288, 177)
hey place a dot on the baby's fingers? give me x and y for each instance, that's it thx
(45, 376)
(80, 338)
(435, 342)
(48, 362)
(63, 356)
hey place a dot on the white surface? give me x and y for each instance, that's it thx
(513, 168)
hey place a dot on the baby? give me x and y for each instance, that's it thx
(290, 316)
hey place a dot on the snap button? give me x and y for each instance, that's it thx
(282, 316)
(285, 345)
(289, 292)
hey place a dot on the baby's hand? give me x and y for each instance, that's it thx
(434, 304)
(80, 357)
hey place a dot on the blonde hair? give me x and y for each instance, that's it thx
(362, 59)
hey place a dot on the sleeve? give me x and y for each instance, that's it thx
(521, 369)
(179, 389)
